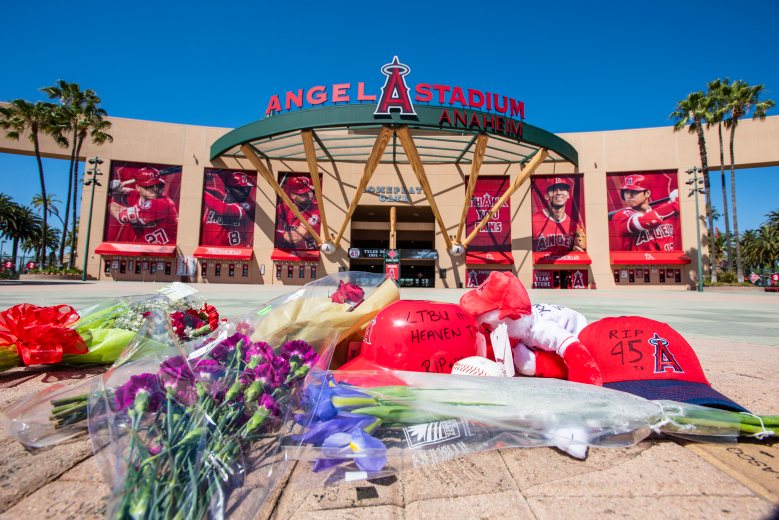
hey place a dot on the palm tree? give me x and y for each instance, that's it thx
(21, 116)
(695, 111)
(743, 99)
(83, 118)
(26, 225)
(773, 217)
(719, 94)
(50, 202)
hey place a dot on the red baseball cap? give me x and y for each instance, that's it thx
(146, 177)
(299, 185)
(501, 290)
(236, 179)
(560, 181)
(634, 182)
(417, 336)
(650, 359)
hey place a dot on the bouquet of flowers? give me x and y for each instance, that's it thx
(352, 431)
(179, 427)
(32, 335)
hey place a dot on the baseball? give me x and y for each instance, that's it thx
(477, 366)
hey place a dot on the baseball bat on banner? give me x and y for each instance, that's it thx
(654, 202)
(162, 173)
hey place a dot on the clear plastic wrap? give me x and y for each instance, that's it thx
(179, 429)
(357, 425)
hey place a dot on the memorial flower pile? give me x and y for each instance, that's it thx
(184, 428)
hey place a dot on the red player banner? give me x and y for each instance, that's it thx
(143, 202)
(496, 235)
(557, 204)
(290, 233)
(228, 208)
(644, 211)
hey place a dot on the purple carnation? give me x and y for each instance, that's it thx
(268, 402)
(299, 350)
(222, 350)
(208, 370)
(149, 383)
(259, 349)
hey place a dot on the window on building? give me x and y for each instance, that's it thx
(278, 271)
(122, 266)
(231, 270)
(313, 272)
(290, 270)
(302, 271)
(130, 266)
(106, 266)
(137, 267)
(678, 275)
(152, 268)
(167, 267)
(203, 269)
(217, 270)
(245, 271)
(662, 275)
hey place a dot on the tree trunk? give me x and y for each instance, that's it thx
(15, 251)
(739, 265)
(76, 191)
(42, 246)
(67, 200)
(706, 185)
(725, 211)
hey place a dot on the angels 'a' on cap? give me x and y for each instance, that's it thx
(560, 181)
(634, 182)
(650, 359)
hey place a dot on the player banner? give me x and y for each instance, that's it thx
(228, 208)
(644, 211)
(557, 204)
(143, 202)
(290, 233)
(496, 234)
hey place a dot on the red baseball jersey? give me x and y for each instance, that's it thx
(637, 231)
(226, 223)
(287, 221)
(551, 236)
(153, 221)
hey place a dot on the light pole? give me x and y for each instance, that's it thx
(696, 188)
(94, 172)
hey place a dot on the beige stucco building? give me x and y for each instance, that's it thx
(415, 223)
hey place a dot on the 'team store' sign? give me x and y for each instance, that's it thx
(496, 115)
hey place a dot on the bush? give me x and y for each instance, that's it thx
(8, 274)
(55, 271)
(727, 277)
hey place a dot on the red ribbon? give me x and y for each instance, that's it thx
(41, 334)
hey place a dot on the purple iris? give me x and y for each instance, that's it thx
(300, 351)
(317, 398)
(125, 395)
(344, 422)
(368, 452)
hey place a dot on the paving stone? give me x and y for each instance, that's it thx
(656, 469)
(361, 513)
(306, 492)
(23, 472)
(509, 504)
(87, 471)
(63, 501)
(476, 474)
(672, 507)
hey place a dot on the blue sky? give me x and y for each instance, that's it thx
(578, 66)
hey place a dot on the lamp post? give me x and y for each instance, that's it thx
(695, 184)
(90, 178)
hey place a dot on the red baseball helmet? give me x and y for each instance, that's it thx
(236, 179)
(146, 177)
(634, 183)
(299, 185)
(417, 336)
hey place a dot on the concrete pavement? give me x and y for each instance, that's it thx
(736, 337)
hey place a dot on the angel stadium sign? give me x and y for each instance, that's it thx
(465, 108)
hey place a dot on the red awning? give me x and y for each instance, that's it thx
(123, 249)
(282, 255)
(234, 253)
(572, 258)
(489, 257)
(648, 258)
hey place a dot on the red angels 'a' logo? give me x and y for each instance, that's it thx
(395, 94)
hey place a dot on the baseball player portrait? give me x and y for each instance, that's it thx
(290, 233)
(645, 222)
(140, 209)
(558, 226)
(228, 209)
